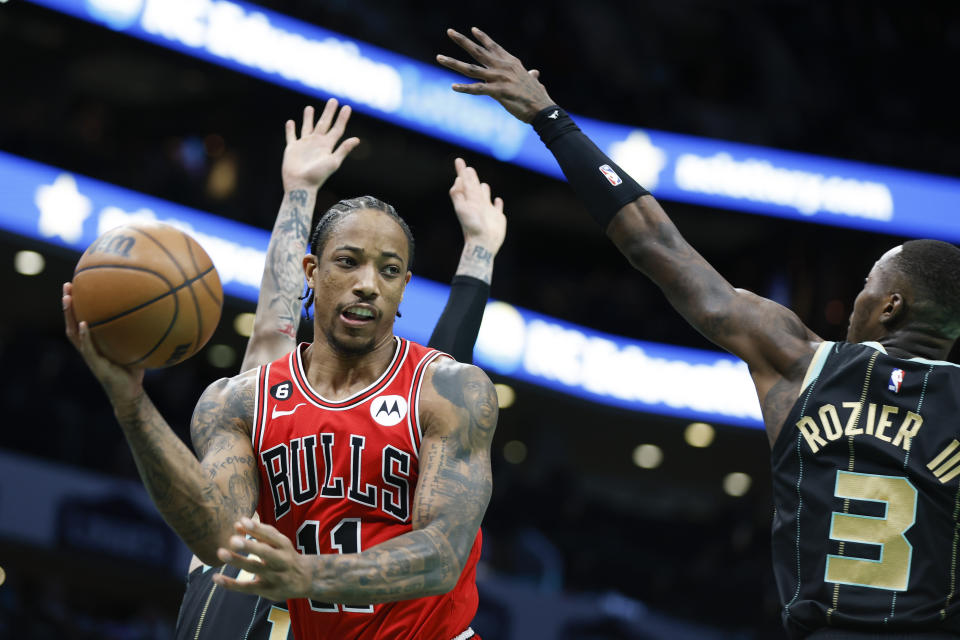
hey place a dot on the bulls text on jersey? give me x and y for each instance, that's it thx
(294, 473)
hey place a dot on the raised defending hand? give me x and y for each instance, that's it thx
(279, 571)
(313, 157)
(122, 384)
(481, 219)
(502, 76)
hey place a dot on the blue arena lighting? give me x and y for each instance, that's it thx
(70, 210)
(417, 96)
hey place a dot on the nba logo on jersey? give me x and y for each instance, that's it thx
(388, 410)
(610, 174)
(896, 379)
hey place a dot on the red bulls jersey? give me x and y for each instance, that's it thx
(340, 477)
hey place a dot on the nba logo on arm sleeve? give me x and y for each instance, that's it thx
(896, 379)
(610, 174)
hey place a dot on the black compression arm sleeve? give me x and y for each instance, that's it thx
(602, 185)
(458, 326)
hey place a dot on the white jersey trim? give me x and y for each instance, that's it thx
(879, 347)
(296, 361)
(414, 404)
(816, 365)
(256, 410)
(265, 391)
(468, 633)
(875, 345)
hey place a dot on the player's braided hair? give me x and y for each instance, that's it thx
(932, 269)
(332, 217)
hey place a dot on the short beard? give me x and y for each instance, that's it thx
(350, 349)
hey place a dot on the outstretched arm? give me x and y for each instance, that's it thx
(484, 227)
(200, 501)
(769, 337)
(308, 161)
(459, 411)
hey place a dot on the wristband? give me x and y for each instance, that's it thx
(598, 181)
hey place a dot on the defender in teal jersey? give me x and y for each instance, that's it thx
(865, 483)
(865, 437)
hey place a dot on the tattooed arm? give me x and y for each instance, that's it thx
(459, 413)
(200, 501)
(308, 161)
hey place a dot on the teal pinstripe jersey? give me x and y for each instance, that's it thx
(211, 612)
(866, 487)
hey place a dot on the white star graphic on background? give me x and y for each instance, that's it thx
(62, 208)
(640, 158)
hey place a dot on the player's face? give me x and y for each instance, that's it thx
(358, 281)
(865, 321)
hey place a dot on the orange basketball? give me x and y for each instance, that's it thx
(149, 293)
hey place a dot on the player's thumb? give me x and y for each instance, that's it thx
(345, 148)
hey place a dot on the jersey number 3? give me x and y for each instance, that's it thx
(892, 570)
(344, 538)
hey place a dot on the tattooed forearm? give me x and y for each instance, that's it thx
(298, 196)
(283, 271)
(414, 565)
(476, 261)
(278, 305)
(200, 501)
(451, 497)
(186, 493)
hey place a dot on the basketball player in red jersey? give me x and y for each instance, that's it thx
(209, 613)
(367, 453)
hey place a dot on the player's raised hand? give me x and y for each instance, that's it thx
(482, 221)
(313, 157)
(481, 218)
(502, 76)
(122, 384)
(279, 571)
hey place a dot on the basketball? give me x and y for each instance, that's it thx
(149, 293)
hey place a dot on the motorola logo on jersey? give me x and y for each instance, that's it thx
(281, 390)
(388, 410)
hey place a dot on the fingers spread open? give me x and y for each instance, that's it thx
(465, 68)
(234, 559)
(244, 586)
(265, 554)
(264, 533)
(307, 127)
(476, 51)
(477, 88)
(487, 41)
(290, 129)
(340, 125)
(326, 116)
(345, 148)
